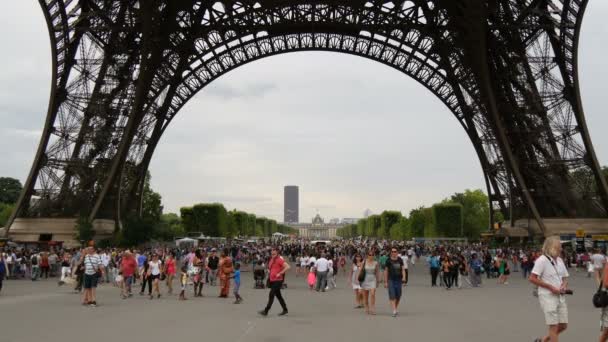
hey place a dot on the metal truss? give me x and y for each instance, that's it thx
(122, 70)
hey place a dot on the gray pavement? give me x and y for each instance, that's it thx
(41, 311)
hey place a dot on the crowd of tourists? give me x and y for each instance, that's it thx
(365, 265)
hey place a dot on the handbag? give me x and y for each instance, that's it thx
(600, 298)
(361, 277)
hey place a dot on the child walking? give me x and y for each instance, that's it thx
(237, 283)
(183, 281)
(312, 278)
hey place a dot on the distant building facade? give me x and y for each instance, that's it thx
(318, 229)
(291, 204)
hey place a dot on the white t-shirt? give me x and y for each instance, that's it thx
(304, 261)
(154, 267)
(405, 259)
(105, 260)
(312, 260)
(598, 261)
(548, 273)
(322, 265)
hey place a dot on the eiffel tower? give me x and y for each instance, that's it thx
(123, 69)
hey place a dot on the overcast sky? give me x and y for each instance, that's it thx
(351, 133)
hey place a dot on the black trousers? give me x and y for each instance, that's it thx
(455, 279)
(275, 291)
(144, 281)
(44, 271)
(447, 278)
(434, 274)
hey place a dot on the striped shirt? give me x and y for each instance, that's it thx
(91, 264)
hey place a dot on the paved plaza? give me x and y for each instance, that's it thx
(41, 311)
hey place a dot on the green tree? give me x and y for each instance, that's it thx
(168, 228)
(406, 228)
(210, 219)
(396, 232)
(251, 225)
(239, 220)
(448, 219)
(187, 216)
(10, 188)
(152, 207)
(430, 229)
(84, 229)
(261, 226)
(417, 222)
(361, 227)
(387, 220)
(373, 225)
(5, 212)
(475, 210)
(136, 231)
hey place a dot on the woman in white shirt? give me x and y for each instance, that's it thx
(551, 277)
(154, 272)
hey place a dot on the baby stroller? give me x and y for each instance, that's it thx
(258, 275)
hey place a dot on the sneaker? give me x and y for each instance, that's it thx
(93, 304)
(283, 313)
(263, 313)
(394, 314)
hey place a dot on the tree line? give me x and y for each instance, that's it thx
(212, 219)
(10, 188)
(463, 214)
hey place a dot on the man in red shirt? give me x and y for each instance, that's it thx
(276, 274)
(128, 265)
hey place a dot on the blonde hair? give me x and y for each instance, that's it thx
(550, 246)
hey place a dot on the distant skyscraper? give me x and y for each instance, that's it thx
(291, 204)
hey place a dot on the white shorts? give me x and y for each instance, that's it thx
(554, 307)
(356, 287)
(604, 319)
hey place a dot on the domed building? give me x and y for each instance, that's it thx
(317, 229)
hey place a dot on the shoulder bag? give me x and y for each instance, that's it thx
(361, 277)
(600, 298)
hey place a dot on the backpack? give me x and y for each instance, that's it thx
(34, 260)
(477, 267)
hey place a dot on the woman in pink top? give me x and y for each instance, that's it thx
(170, 271)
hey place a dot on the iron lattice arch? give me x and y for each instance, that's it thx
(507, 70)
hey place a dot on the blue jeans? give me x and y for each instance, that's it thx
(35, 272)
(321, 280)
(394, 289)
